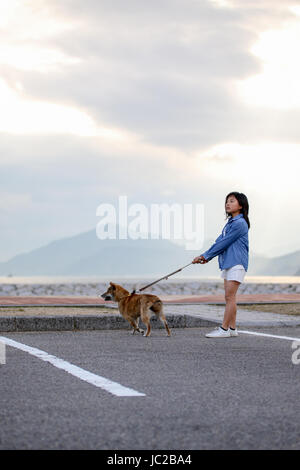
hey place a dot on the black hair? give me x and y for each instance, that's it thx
(243, 201)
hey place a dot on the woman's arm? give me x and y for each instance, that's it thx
(222, 243)
(200, 259)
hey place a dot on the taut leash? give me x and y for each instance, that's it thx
(165, 277)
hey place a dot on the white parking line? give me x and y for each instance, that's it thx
(270, 336)
(112, 387)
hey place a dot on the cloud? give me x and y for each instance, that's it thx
(157, 69)
(160, 70)
(157, 84)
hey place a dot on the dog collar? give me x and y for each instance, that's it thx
(127, 295)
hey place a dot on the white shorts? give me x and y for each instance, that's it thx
(236, 273)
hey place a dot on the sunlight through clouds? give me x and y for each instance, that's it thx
(24, 26)
(222, 3)
(29, 57)
(20, 116)
(266, 165)
(7, 11)
(295, 9)
(23, 116)
(277, 87)
(25, 20)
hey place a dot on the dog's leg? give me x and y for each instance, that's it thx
(146, 319)
(132, 323)
(167, 327)
(147, 323)
(157, 308)
(164, 320)
(135, 325)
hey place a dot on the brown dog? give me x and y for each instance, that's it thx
(134, 306)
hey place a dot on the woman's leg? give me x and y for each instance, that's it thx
(230, 288)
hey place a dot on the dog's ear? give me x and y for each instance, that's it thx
(112, 285)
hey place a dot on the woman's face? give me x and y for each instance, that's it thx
(232, 205)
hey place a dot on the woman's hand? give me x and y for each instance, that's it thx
(199, 259)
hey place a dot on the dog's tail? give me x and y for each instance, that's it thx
(156, 306)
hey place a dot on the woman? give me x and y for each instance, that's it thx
(232, 247)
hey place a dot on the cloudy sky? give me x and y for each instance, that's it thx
(164, 101)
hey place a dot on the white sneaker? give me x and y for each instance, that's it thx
(218, 333)
(233, 332)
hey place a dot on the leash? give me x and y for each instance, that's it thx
(165, 277)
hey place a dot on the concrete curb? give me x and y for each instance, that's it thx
(99, 322)
(107, 305)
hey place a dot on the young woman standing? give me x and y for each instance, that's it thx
(232, 248)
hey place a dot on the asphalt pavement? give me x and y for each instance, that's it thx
(196, 393)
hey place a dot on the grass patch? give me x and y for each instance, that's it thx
(52, 311)
(286, 309)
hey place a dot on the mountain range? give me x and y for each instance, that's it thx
(86, 255)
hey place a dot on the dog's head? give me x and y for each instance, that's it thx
(110, 293)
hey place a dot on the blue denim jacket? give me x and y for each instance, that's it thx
(232, 245)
